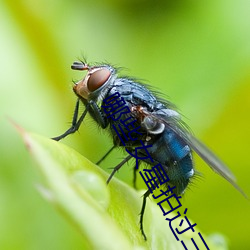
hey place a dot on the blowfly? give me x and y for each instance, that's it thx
(155, 123)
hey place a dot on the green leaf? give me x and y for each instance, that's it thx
(106, 215)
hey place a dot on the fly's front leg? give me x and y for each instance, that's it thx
(75, 124)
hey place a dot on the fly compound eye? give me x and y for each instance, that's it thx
(97, 79)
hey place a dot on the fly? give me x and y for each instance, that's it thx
(160, 126)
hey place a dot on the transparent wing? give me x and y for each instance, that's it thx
(210, 158)
(174, 123)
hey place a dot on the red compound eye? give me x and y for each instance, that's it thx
(97, 79)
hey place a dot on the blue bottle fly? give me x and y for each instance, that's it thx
(157, 124)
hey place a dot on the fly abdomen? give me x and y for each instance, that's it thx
(180, 173)
(175, 156)
(181, 166)
(178, 149)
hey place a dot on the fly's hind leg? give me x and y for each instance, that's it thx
(134, 173)
(144, 201)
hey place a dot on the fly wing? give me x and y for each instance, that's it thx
(175, 124)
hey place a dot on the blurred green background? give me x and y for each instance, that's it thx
(195, 52)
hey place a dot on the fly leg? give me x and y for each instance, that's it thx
(105, 155)
(144, 201)
(75, 124)
(134, 174)
(93, 109)
(118, 167)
